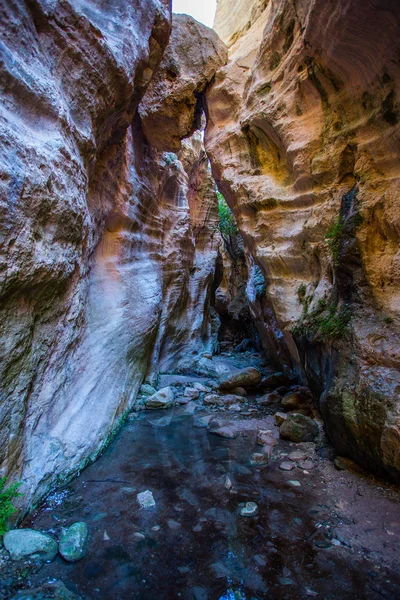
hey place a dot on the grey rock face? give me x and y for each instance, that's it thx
(27, 543)
(73, 542)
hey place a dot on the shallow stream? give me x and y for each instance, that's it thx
(194, 544)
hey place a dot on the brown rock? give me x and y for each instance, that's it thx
(299, 428)
(248, 377)
(274, 381)
(294, 125)
(279, 418)
(239, 391)
(170, 109)
(271, 399)
(292, 401)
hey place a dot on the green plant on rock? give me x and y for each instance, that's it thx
(227, 223)
(7, 509)
(334, 238)
(325, 322)
(301, 292)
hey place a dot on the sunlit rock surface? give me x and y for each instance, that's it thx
(303, 137)
(98, 253)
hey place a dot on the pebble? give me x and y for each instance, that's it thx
(294, 483)
(258, 459)
(146, 499)
(298, 455)
(286, 466)
(249, 510)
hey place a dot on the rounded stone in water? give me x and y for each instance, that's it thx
(73, 542)
(249, 510)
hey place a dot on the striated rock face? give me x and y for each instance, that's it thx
(303, 136)
(172, 107)
(98, 253)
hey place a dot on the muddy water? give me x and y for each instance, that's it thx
(194, 544)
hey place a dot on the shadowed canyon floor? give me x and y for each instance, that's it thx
(318, 532)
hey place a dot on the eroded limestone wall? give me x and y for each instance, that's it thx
(303, 136)
(96, 232)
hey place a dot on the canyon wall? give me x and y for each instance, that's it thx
(99, 252)
(303, 137)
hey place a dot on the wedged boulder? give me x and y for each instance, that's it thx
(27, 543)
(53, 589)
(299, 428)
(169, 110)
(271, 399)
(274, 381)
(164, 398)
(248, 377)
(73, 542)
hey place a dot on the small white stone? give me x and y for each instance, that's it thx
(294, 483)
(146, 499)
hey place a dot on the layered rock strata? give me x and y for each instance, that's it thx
(303, 136)
(98, 253)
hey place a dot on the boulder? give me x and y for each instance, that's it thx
(203, 421)
(274, 381)
(271, 399)
(239, 391)
(201, 387)
(279, 418)
(164, 398)
(248, 377)
(225, 400)
(292, 401)
(192, 393)
(299, 428)
(147, 390)
(27, 543)
(73, 542)
(53, 589)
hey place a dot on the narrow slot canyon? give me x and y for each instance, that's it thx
(199, 300)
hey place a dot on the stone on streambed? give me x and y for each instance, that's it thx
(73, 542)
(272, 399)
(27, 543)
(222, 400)
(292, 401)
(279, 418)
(299, 428)
(249, 510)
(248, 377)
(146, 499)
(53, 589)
(258, 459)
(238, 391)
(201, 388)
(191, 392)
(274, 381)
(203, 421)
(164, 398)
(147, 390)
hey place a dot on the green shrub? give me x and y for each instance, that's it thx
(301, 292)
(6, 506)
(325, 322)
(227, 223)
(334, 238)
